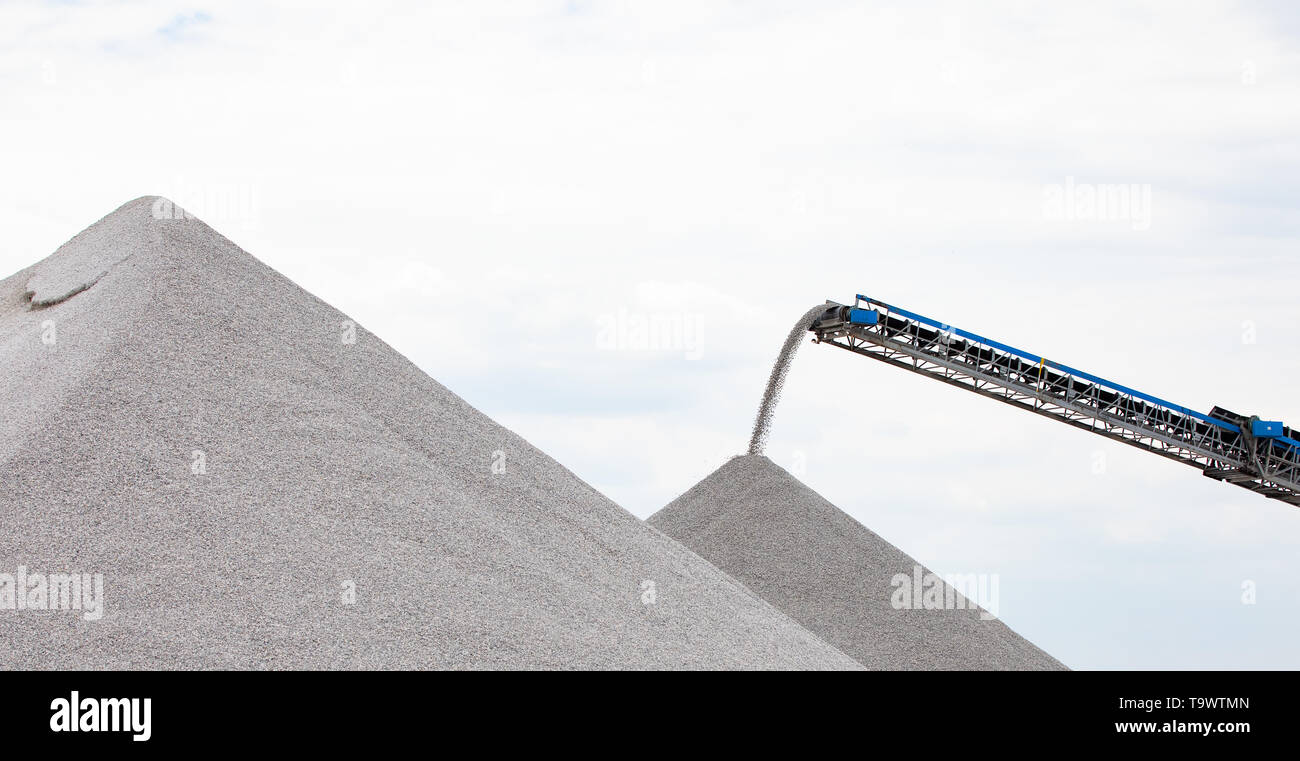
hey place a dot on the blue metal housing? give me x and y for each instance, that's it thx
(1266, 429)
(864, 316)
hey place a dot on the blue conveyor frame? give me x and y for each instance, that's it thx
(1262, 456)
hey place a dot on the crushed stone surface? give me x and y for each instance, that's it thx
(788, 544)
(260, 493)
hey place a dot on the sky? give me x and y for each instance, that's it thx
(519, 197)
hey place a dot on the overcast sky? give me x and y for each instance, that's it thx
(506, 192)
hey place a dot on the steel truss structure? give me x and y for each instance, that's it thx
(1223, 445)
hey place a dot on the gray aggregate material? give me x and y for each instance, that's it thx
(324, 464)
(769, 531)
(776, 379)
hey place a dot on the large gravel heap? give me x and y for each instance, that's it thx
(260, 491)
(799, 552)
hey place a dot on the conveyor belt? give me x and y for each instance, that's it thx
(1258, 455)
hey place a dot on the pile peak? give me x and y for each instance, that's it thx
(789, 545)
(80, 263)
(260, 487)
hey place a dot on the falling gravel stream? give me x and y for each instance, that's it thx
(775, 381)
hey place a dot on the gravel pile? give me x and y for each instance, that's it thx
(799, 552)
(262, 484)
